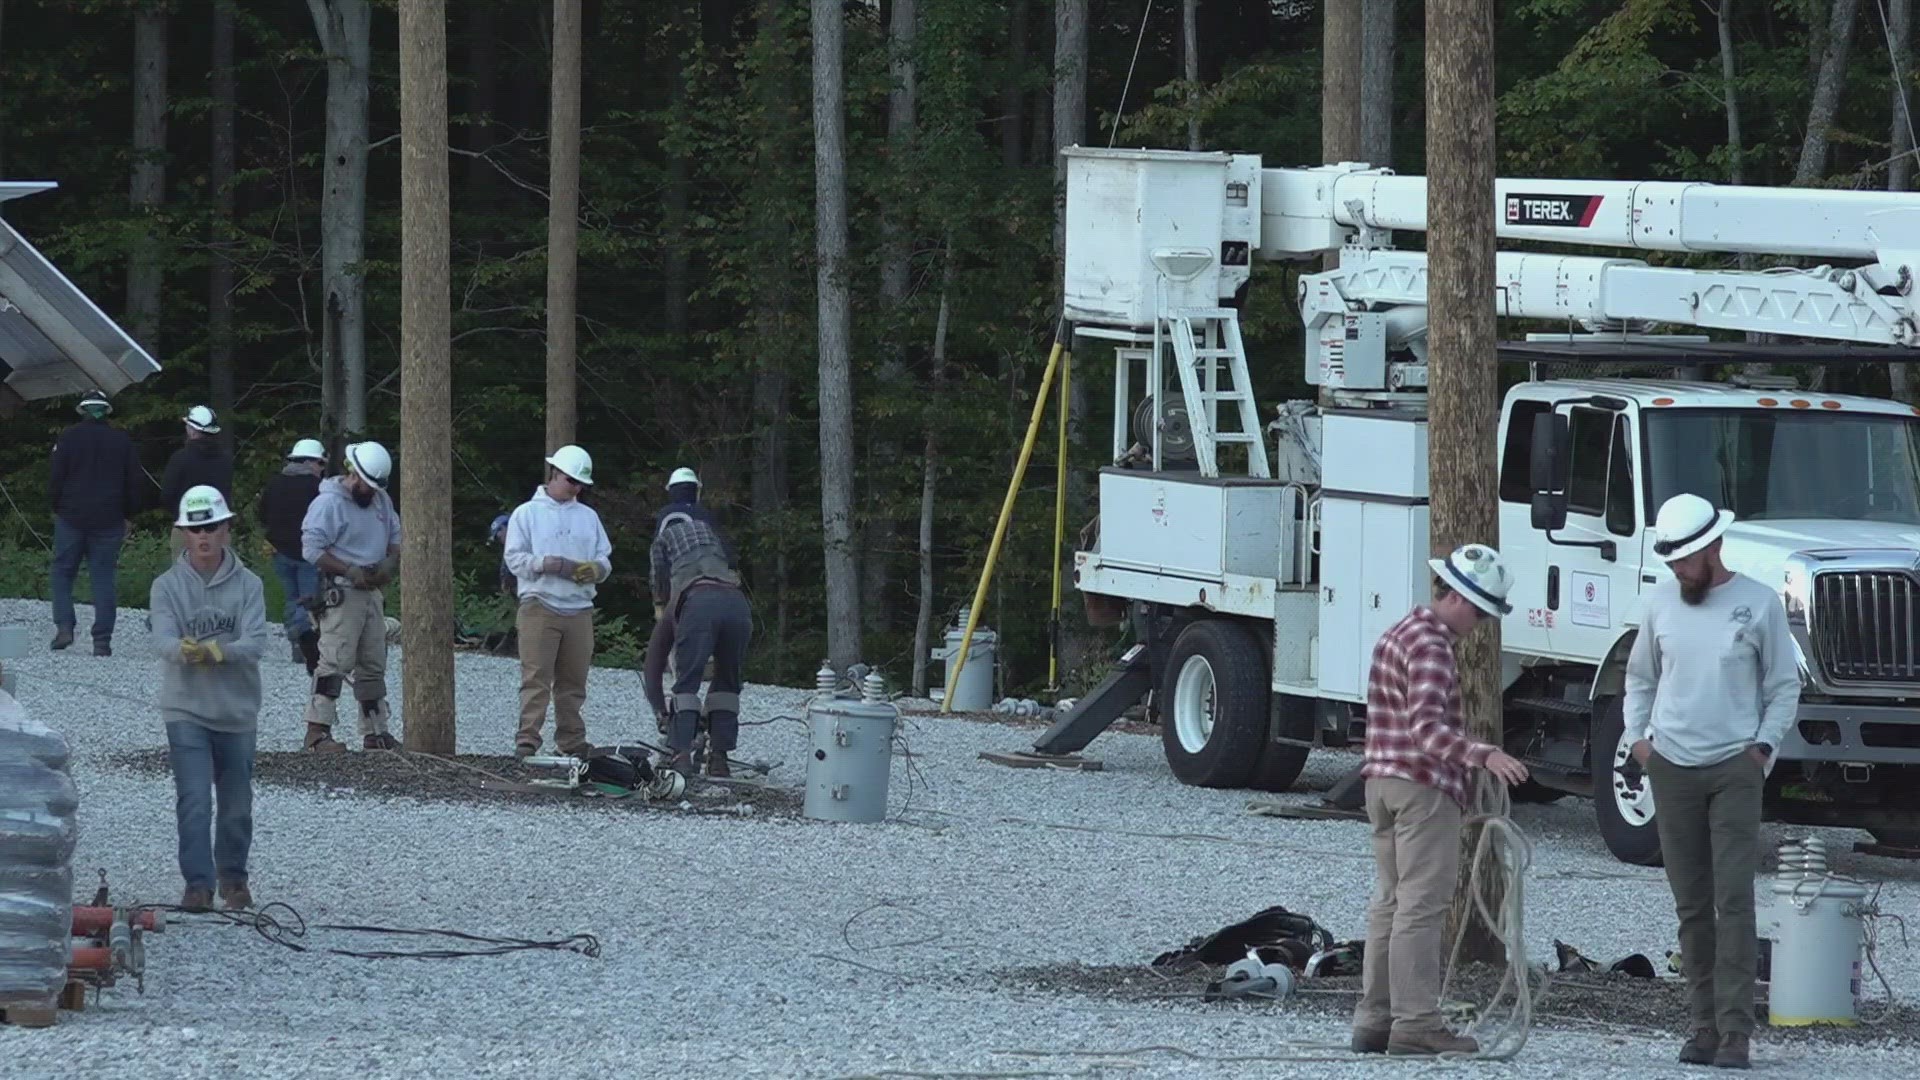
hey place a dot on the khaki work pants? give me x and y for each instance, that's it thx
(1709, 823)
(353, 639)
(556, 651)
(1416, 853)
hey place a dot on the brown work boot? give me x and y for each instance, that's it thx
(235, 897)
(1429, 1043)
(525, 750)
(197, 898)
(681, 763)
(1369, 1042)
(1699, 1049)
(380, 741)
(321, 741)
(1733, 1051)
(717, 764)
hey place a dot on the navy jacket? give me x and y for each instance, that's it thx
(283, 506)
(96, 482)
(201, 461)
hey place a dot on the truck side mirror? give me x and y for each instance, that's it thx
(1549, 511)
(1547, 453)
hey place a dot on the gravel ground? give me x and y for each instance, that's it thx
(978, 932)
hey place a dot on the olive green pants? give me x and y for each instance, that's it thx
(1709, 822)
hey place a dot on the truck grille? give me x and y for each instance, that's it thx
(1865, 626)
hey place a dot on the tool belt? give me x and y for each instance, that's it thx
(331, 594)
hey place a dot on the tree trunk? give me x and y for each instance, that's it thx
(901, 120)
(1012, 96)
(1464, 392)
(426, 393)
(345, 31)
(220, 178)
(1377, 18)
(1190, 65)
(836, 375)
(1826, 94)
(1900, 170)
(679, 186)
(773, 315)
(3, 103)
(1729, 96)
(1340, 82)
(484, 73)
(929, 482)
(147, 260)
(1069, 110)
(563, 223)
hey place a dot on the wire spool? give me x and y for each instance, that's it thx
(1176, 434)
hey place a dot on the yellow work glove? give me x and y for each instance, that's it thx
(659, 612)
(586, 573)
(266, 549)
(191, 651)
(210, 652)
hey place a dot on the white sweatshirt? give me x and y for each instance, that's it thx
(543, 526)
(1709, 680)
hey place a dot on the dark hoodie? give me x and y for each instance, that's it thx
(201, 461)
(283, 506)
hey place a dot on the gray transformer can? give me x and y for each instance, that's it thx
(851, 754)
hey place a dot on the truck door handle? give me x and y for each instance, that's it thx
(1553, 588)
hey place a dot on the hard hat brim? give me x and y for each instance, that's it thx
(1722, 521)
(568, 473)
(1470, 591)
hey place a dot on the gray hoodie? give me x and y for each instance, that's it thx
(230, 609)
(357, 535)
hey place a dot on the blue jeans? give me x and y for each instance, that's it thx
(101, 548)
(207, 764)
(298, 579)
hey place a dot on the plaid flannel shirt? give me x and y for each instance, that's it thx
(686, 548)
(1413, 709)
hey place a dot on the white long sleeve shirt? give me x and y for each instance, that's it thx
(1705, 681)
(544, 526)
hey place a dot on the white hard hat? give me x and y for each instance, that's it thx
(1686, 524)
(683, 475)
(575, 462)
(201, 419)
(1476, 572)
(202, 505)
(307, 448)
(371, 462)
(94, 400)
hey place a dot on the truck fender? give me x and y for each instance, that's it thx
(1611, 677)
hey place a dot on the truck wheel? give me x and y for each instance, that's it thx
(1213, 718)
(1624, 807)
(1280, 764)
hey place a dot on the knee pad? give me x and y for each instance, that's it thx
(327, 686)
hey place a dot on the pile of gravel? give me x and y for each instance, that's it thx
(766, 944)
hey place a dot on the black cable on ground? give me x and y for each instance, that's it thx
(289, 926)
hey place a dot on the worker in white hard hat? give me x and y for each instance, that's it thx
(96, 485)
(351, 534)
(283, 508)
(209, 618)
(559, 553)
(202, 460)
(1712, 689)
(1420, 766)
(683, 498)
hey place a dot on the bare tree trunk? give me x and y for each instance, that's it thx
(345, 31)
(1069, 108)
(679, 187)
(426, 392)
(1826, 94)
(1190, 65)
(146, 265)
(774, 294)
(1736, 146)
(929, 483)
(220, 178)
(1900, 170)
(1340, 82)
(901, 121)
(836, 363)
(1012, 97)
(563, 223)
(1377, 18)
(1464, 392)
(484, 73)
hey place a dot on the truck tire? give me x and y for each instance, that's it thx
(1280, 764)
(1624, 810)
(1213, 709)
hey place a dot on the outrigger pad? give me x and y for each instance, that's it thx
(1350, 793)
(1023, 759)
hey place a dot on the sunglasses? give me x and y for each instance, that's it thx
(198, 529)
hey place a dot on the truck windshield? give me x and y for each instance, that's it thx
(1774, 464)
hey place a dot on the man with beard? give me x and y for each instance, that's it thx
(352, 534)
(1712, 686)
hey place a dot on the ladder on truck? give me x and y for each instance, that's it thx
(1206, 347)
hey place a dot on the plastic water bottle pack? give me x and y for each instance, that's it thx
(38, 804)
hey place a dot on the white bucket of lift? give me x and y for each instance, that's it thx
(850, 752)
(1818, 938)
(974, 690)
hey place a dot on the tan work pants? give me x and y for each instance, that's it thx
(353, 639)
(556, 652)
(1416, 853)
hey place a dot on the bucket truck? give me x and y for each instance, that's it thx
(1258, 563)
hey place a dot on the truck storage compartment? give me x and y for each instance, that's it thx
(1373, 569)
(1192, 526)
(1377, 452)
